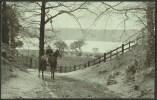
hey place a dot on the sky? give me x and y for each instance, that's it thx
(107, 21)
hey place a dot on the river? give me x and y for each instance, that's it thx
(33, 44)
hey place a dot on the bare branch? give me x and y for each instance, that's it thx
(52, 7)
(53, 17)
(107, 9)
(145, 25)
(140, 20)
(38, 4)
(129, 9)
(63, 11)
(127, 17)
(89, 11)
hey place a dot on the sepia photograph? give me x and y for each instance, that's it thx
(77, 49)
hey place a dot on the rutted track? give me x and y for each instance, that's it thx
(65, 87)
(29, 85)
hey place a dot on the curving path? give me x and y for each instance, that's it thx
(28, 85)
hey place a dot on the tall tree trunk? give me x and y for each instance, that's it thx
(151, 33)
(5, 29)
(42, 30)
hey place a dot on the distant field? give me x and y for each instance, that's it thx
(71, 61)
(28, 52)
(64, 61)
(36, 52)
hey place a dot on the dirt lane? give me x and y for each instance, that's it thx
(66, 87)
(28, 85)
(23, 85)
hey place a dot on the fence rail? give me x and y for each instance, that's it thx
(27, 61)
(111, 54)
(33, 62)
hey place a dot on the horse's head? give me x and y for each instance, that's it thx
(55, 54)
(58, 53)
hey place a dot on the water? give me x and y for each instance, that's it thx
(33, 44)
(101, 45)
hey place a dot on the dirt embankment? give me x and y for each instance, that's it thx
(113, 75)
(23, 85)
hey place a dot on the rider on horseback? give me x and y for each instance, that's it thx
(48, 52)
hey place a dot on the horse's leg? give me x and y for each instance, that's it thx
(54, 68)
(43, 73)
(51, 71)
(45, 67)
(39, 72)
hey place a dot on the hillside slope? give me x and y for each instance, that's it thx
(106, 80)
(17, 81)
(114, 76)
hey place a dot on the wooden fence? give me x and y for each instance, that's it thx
(33, 62)
(27, 60)
(107, 56)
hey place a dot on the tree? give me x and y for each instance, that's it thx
(61, 45)
(18, 43)
(150, 14)
(42, 29)
(96, 51)
(11, 25)
(77, 46)
(43, 10)
(145, 12)
(66, 9)
(5, 28)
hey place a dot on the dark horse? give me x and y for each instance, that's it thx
(52, 59)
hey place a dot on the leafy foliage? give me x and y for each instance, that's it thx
(13, 25)
(76, 46)
(61, 45)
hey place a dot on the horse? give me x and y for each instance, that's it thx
(52, 59)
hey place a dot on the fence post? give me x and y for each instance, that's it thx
(65, 69)
(104, 57)
(117, 52)
(99, 60)
(70, 68)
(26, 61)
(17, 53)
(79, 66)
(88, 63)
(36, 63)
(110, 55)
(129, 45)
(60, 69)
(85, 65)
(22, 59)
(74, 67)
(122, 48)
(30, 62)
(94, 61)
